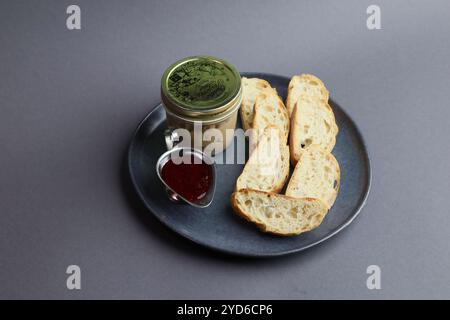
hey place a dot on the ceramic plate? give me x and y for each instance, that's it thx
(218, 227)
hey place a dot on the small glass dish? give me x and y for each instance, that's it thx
(183, 155)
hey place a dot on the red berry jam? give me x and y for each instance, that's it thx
(190, 180)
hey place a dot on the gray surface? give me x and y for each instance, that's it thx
(70, 100)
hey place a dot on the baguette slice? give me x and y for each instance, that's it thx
(267, 168)
(252, 88)
(316, 175)
(270, 110)
(305, 84)
(279, 214)
(312, 122)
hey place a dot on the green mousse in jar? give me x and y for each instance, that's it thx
(202, 90)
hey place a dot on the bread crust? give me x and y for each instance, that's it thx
(249, 96)
(291, 100)
(297, 180)
(295, 136)
(263, 227)
(258, 113)
(284, 153)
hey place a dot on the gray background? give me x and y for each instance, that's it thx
(70, 100)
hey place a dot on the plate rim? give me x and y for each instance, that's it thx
(344, 225)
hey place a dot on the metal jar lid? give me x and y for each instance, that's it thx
(201, 88)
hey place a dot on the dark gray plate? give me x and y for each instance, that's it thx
(217, 227)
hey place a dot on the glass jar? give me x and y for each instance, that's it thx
(201, 93)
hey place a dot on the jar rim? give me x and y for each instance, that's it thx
(211, 119)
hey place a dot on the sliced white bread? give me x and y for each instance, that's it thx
(312, 122)
(279, 214)
(270, 111)
(316, 175)
(251, 89)
(267, 168)
(305, 84)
